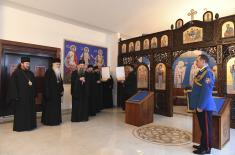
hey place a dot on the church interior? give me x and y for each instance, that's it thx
(113, 77)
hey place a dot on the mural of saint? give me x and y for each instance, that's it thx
(160, 76)
(154, 42)
(164, 41)
(146, 44)
(131, 47)
(91, 54)
(71, 59)
(99, 59)
(179, 74)
(142, 77)
(193, 72)
(137, 46)
(124, 48)
(85, 56)
(228, 29)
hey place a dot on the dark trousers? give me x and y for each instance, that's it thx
(205, 123)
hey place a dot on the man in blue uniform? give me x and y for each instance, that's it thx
(203, 102)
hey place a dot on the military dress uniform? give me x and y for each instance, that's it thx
(201, 98)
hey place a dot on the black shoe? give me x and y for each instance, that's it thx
(197, 147)
(199, 151)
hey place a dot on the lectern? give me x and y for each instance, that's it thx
(140, 108)
(220, 123)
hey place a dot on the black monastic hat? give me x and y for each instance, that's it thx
(25, 59)
(56, 60)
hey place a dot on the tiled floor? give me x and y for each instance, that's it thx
(105, 134)
(181, 110)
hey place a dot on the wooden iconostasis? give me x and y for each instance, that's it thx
(169, 57)
(10, 55)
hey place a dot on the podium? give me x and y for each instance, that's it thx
(220, 123)
(140, 108)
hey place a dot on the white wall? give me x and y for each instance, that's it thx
(22, 26)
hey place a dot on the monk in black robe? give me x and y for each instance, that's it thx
(90, 82)
(108, 93)
(98, 97)
(22, 93)
(79, 94)
(53, 91)
(130, 85)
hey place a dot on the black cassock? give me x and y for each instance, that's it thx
(21, 93)
(53, 91)
(129, 87)
(80, 110)
(90, 82)
(98, 92)
(108, 93)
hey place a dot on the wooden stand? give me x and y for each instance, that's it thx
(140, 113)
(220, 126)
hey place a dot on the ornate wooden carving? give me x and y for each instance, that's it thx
(219, 54)
(163, 57)
(212, 51)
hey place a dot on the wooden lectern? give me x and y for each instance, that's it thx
(220, 125)
(140, 108)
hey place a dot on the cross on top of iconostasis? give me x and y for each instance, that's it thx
(192, 13)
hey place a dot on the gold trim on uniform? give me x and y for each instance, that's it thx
(199, 78)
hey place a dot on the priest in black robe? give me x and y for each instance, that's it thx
(130, 85)
(108, 93)
(53, 91)
(21, 93)
(90, 83)
(80, 110)
(98, 97)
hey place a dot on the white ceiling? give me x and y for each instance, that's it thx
(128, 17)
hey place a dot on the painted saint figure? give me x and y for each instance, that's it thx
(142, 77)
(99, 59)
(146, 44)
(160, 77)
(131, 47)
(71, 58)
(124, 48)
(154, 42)
(193, 73)
(137, 46)
(232, 71)
(179, 74)
(85, 56)
(164, 41)
(229, 31)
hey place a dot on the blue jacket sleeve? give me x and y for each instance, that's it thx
(206, 90)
